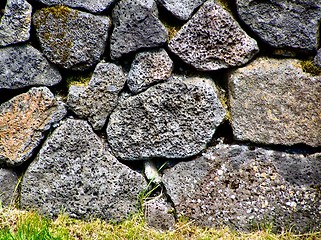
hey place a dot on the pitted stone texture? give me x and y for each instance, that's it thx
(149, 68)
(238, 187)
(22, 66)
(183, 9)
(283, 24)
(15, 23)
(24, 122)
(136, 26)
(94, 6)
(75, 171)
(96, 101)
(70, 38)
(274, 102)
(213, 40)
(8, 183)
(175, 119)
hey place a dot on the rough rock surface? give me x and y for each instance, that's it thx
(317, 59)
(149, 68)
(283, 24)
(8, 183)
(136, 26)
(74, 171)
(239, 187)
(97, 100)
(24, 121)
(212, 40)
(274, 102)
(23, 65)
(175, 119)
(70, 38)
(183, 9)
(15, 23)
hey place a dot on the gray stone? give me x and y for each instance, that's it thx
(149, 68)
(183, 9)
(283, 24)
(232, 185)
(213, 40)
(25, 121)
(273, 101)
(15, 23)
(70, 38)
(8, 184)
(136, 26)
(76, 173)
(175, 119)
(23, 65)
(96, 101)
(317, 59)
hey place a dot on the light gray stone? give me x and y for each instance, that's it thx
(96, 101)
(22, 66)
(149, 68)
(273, 101)
(70, 38)
(283, 24)
(15, 23)
(25, 121)
(136, 26)
(213, 40)
(232, 185)
(8, 184)
(175, 119)
(76, 173)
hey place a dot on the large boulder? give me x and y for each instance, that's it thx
(24, 122)
(235, 186)
(136, 26)
(76, 173)
(213, 40)
(273, 101)
(175, 119)
(70, 38)
(8, 186)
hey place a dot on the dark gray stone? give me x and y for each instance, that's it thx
(232, 185)
(283, 24)
(317, 59)
(273, 101)
(149, 68)
(136, 26)
(212, 40)
(175, 119)
(70, 38)
(8, 186)
(23, 66)
(25, 121)
(76, 173)
(96, 101)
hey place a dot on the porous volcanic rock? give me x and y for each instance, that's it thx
(175, 119)
(75, 172)
(213, 40)
(8, 184)
(24, 122)
(273, 101)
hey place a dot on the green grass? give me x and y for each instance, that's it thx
(28, 225)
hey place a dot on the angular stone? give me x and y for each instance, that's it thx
(24, 122)
(136, 26)
(75, 172)
(97, 100)
(283, 24)
(317, 59)
(70, 38)
(23, 66)
(15, 23)
(213, 40)
(183, 9)
(149, 68)
(232, 185)
(8, 184)
(175, 119)
(273, 101)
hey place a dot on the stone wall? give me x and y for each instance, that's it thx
(215, 105)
